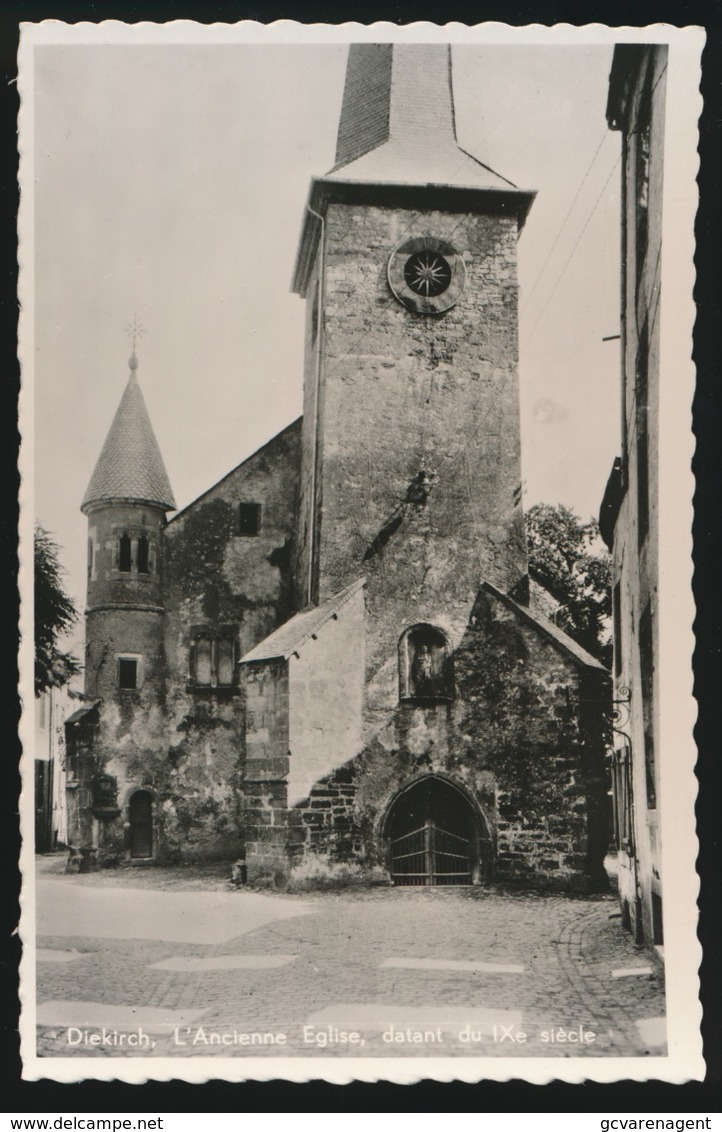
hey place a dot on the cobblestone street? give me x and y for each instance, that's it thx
(181, 966)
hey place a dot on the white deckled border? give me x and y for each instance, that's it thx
(678, 713)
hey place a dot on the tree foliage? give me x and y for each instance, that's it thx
(567, 557)
(55, 612)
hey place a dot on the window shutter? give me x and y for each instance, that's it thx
(225, 663)
(203, 662)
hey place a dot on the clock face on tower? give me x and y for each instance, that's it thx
(426, 274)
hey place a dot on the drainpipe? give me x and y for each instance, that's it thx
(319, 324)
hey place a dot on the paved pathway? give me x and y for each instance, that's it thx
(420, 972)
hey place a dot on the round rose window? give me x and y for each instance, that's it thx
(426, 274)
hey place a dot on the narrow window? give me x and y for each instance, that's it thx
(617, 614)
(646, 661)
(127, 673)
(225, 663)
(249, 519)
(143, 555)
(212, 662)
(124, 554)
(203, 662)
(90, 557)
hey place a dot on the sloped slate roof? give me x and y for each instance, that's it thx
(398, 123)
(289, 638)
(396, 140)
(557, 636)
(81, 712)
(130, 465)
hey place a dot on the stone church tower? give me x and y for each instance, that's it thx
(334, 652)
(411, 443)
(411, 489)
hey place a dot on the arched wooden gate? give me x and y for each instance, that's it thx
(435, 836)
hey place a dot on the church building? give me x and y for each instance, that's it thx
(336, 651)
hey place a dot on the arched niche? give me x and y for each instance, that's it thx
(426, 669)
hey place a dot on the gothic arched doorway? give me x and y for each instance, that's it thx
(435, 835)
(140, 818)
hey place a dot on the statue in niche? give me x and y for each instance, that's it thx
(428, 669)
(422, 672)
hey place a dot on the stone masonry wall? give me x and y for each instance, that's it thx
(107, 584)
(124, 618)
(265, 810)
(129, 741)
(522, 737)
(215, 575)
(404, 393)
(183, 742)
(239, 586)
(325, 823)
(525, 714)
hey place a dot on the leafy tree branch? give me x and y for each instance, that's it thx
(55, 612)
(566, 556)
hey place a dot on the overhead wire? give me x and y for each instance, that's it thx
(564, 221)
(464, 155)
(568, 98)
(587, 222)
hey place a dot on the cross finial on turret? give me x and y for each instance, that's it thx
(134, 330)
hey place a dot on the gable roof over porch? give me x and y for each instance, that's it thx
(283, 642)
(547, 628)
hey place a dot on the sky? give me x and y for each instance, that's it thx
(170, 183)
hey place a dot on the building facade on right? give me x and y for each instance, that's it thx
(629, 511)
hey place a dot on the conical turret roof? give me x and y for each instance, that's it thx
(130, 466)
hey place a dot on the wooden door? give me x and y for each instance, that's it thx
(141, 824)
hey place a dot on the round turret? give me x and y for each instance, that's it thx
(126, 503)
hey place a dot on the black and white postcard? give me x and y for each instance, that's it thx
(356, 394)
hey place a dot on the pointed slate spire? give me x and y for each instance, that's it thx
(130, 466)
(397, 146)
(397, 120)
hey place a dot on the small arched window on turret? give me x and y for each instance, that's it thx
(124, 557)
(143, 555)
(426, 671)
